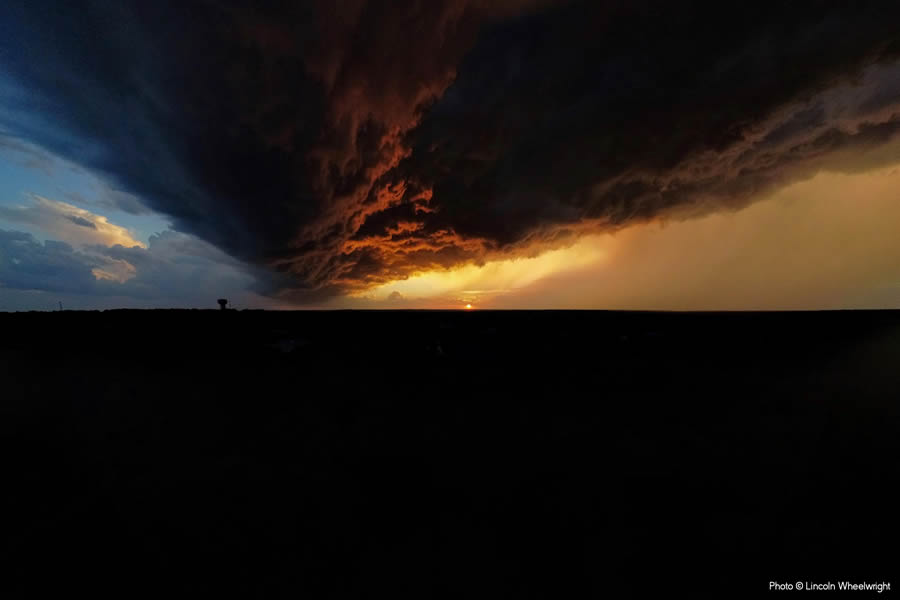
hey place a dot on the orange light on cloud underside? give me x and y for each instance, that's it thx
(471, 285)
(825, 242)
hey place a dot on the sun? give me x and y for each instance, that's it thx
(468, 307)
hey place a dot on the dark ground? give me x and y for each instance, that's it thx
(446, 454)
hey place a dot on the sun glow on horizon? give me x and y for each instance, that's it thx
(824, 242)
(479, 284)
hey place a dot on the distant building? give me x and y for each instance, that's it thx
(223, 303)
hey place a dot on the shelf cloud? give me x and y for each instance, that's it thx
(345, 145)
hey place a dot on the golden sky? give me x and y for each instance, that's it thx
(826, 242)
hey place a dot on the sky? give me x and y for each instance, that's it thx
(506, 154)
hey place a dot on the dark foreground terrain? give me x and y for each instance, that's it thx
(441, 454)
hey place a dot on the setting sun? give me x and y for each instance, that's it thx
(468, 306)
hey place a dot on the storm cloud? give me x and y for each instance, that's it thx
(345, 144)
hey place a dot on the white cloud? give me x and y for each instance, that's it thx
(115, 270)
(173, 270)
(66, 222)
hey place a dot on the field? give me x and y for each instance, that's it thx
(446, 454)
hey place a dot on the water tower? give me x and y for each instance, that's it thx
(223, 303)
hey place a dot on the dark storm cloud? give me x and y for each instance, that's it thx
(347, 143)
(622, 114)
